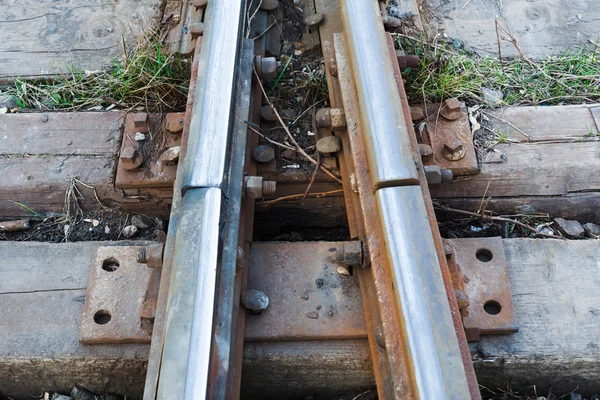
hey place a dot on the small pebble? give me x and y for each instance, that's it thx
(592, 230)
(312, 314)
(140, 137)
(305, 296)
(44, 118)
(129, 231)
(570, 228)
(319, 283)
(141, 221)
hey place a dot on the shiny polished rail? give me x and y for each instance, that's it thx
(185, 366)
(431, 350)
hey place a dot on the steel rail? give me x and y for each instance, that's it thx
(204, 163)
(185, 367)
(390, 160)
(432, 353)
(185, 356)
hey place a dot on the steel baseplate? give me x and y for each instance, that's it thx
(120, 298)
(482, 266)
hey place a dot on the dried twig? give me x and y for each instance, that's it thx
(283, 146)
(509, 124)
(499, 219)
(295, 196)
(289, 134)
(312, 179)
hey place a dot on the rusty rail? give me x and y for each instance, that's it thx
(411, 320)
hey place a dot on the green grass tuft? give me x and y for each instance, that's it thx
(445, 71)
(145, 76)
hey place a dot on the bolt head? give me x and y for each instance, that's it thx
(255, 301)
(452, 109)
(453, 145)
(425, 151)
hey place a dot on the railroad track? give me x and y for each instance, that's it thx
(416, 338)
(233, 302)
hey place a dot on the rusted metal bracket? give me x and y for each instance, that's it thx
(311, 293)
(482, 286)
(447, 131)
(121, 296)
(149, 151)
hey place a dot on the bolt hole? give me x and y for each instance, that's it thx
(492, 307)
(102, 317)
(110, 264)
(484, 255)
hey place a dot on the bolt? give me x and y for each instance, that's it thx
(140, 121)
(196, 29)
(323, 118)
(349, 253)
(453, 149)
(405, 61)
(130, 158)
(333, 70)
(313, 20)
(338, 119)
(269, 5)
(266, 67)
(447, 175)
(174, 123)
(255, 187)
(433, 174)
(426, 152)
(269, 188)
(416, 113)
(255, 301)
(448, 251)
(328, 145)
(263, 153)
(151, 255)
(379, 339)
(452, 109)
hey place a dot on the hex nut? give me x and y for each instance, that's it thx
(140, 121)
(433, 173)
(452, 109)
(453, 149)
(130, 158)
(338, 119)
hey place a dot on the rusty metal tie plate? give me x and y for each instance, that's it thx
(119, 299)
(483, 264)
(308, 297)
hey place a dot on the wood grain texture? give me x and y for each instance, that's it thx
(555, 292)
(39, 159)
(294, 370)
(555, 172)
(83, 133)
(47, 37)
(40, 312)
(556, 123)
(541, 27)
